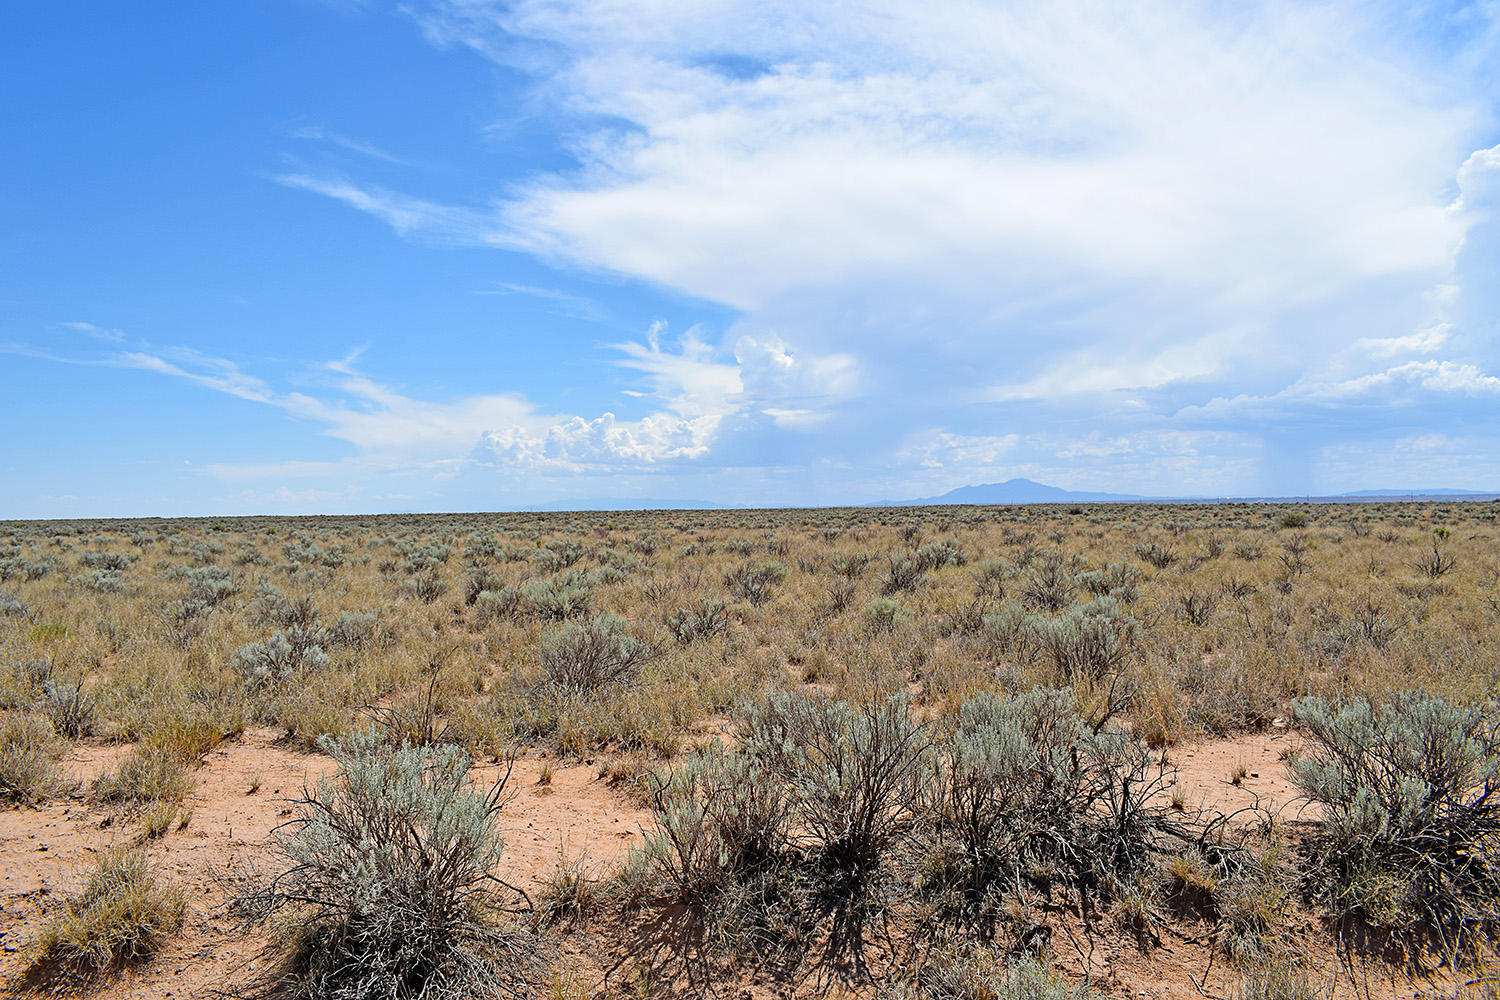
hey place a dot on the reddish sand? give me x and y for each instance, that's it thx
(43, 852)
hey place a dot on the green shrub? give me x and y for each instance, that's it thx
(561, 596)
(69, 708)
(296, 650)
(990, 576)
(1048, 583)
(499, 605)
(722, 840)
(210, 585)
(903, 575)
(105, 581)
(936, 555)
(704, 620)
(1156, 554)
(850, 565)
(754, 583)
(581, 657)
(482, 579)
(1087, 642)
(1118, 580)
(390, 881)
(799, 836)
(353, 629)
(883, 613)
(1409, 834)
(1025, 795)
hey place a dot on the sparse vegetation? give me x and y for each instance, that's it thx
(29, 749)
(124, 914)
(899, 748)
(1410, 835)
(389, 881)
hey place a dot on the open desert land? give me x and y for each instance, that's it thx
(1240, 750)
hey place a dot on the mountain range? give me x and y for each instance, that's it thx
(1023, 491)
(1013, 491)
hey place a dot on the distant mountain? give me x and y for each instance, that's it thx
(1013, 491)
(1023, 491)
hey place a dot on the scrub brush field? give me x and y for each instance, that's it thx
(1242, 750)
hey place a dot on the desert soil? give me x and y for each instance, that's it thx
(45, 850)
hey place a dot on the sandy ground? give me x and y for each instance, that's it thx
(43, 852)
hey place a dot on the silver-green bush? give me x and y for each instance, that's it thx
(390, 882)
(1410, 829)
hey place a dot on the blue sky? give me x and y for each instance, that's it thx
(291, 256)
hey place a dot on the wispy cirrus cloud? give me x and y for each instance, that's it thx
(317, 133)
(405, 214)
(97, 332)
(565, 303)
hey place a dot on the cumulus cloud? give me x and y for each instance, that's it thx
(690, 389)
(979, 223)
(579, 445)
(1010, 205)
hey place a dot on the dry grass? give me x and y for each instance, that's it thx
(633, 638)
(29, 748)
(123, 915)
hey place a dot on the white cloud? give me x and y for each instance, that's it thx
(1413, 383)
(97, 332)
(1425, 442)
(576, 306)
(798, 391)
(368, 149)
(1422, 342)
(694, 387)
(1479, 182)
(1088, 371)
(944, 450)
(1037, 212)
(690, 381)
(1252, 158)
(403, 213)
(578, 445)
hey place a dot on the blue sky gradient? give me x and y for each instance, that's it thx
(291, 256)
